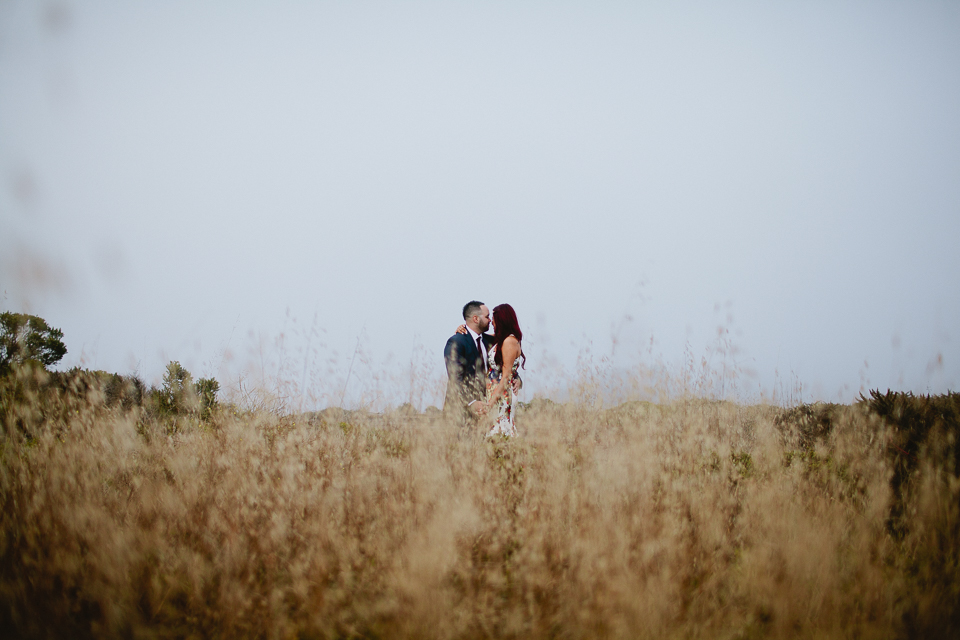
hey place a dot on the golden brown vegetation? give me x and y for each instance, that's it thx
(690, 519)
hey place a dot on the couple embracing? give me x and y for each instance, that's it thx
(482, 380)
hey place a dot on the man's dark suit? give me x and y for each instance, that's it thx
(466, 376)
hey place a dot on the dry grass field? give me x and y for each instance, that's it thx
(687, 519)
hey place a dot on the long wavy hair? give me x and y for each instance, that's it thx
(505, 324)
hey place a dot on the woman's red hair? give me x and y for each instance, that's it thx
(505, 324)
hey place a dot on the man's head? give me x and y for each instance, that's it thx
(476, 315)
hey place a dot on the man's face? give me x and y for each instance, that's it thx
(483, 320)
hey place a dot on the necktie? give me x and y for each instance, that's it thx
(480, 349)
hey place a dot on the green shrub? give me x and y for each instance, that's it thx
(25, 338)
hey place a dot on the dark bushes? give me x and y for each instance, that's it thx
(928, 424)
(804, 425)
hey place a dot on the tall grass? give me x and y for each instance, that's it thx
(692, 518)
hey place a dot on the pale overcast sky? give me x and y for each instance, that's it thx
(249, 184)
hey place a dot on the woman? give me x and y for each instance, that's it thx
(504, 359)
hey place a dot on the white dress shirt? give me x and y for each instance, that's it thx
(483, 348)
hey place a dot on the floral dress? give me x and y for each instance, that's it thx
(505, 408)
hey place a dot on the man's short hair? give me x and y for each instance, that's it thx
(472, 308)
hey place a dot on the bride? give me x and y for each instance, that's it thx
(504, 360)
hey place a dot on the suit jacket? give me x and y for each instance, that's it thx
(466, 375)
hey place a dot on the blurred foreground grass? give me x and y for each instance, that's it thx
(695, 519)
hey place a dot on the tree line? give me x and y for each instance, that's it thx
(29, 346)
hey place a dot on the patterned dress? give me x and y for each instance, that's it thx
(505, 408)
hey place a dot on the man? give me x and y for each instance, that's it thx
(465, 355)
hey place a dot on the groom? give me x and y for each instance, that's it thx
(466, 358)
